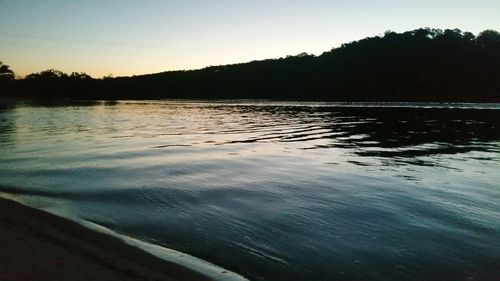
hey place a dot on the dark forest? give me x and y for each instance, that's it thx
(420, 65)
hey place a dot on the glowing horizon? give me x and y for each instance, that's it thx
(130, 38)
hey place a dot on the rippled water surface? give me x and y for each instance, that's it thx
(279, 191)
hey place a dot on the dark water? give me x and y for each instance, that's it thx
(274, 192)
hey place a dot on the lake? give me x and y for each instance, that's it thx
(273, 190)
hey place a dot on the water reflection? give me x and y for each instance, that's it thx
(275, 192)
(7, 124)
(390, 132)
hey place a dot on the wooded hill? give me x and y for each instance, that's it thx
(419, 65)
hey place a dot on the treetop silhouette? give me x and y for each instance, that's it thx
(419, 65)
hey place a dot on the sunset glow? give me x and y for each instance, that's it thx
(131, 37)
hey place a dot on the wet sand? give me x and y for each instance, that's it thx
(39, 246)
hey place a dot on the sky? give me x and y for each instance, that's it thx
(129, 37)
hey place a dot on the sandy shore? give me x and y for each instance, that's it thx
(36, 245)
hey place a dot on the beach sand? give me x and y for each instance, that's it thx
(36, 245)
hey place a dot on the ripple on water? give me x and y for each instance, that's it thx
(276, 191)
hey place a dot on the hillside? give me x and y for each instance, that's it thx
(419, 65)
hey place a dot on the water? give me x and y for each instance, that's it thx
(278, 191)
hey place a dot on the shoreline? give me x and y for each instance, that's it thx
(41, 246)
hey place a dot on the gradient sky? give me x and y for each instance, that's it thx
(126, 37)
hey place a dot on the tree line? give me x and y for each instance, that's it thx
(419, 65)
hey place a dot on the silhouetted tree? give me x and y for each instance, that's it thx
(79, 75)
(5, 72)
(489, 38)
(424, 64)
(47, 74)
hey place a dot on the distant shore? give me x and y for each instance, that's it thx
(421, 65)
(37, 245)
